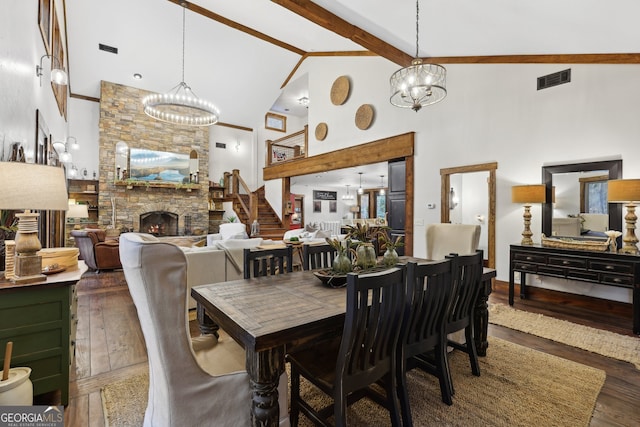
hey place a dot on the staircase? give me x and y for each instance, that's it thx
(270, 224)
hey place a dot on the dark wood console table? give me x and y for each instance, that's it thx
(604, 268)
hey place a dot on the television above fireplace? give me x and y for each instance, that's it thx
(159, 166)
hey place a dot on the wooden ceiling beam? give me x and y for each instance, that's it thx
(592, 58)
(320, 16)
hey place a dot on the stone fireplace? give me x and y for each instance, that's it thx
(159, 223)
(122, 120)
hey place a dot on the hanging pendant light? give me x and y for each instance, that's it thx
(347, 196)
(360, 190)
(381, 192)
(180, 105)
(418, 84)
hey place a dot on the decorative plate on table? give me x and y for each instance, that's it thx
(53, 269)
(331, 279)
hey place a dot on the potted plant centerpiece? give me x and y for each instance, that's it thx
(390, 257)
(365, 252)
(341, 263)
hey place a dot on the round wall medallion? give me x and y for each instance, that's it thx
(340, 90)
(364, 116)
(321, 131)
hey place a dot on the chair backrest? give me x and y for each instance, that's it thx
(233, 230)
(444, 239)
(375, 303)
(85, 241)
(156, 273)
(467, 273)
(267, 262)
(317, 256)
(427, 307)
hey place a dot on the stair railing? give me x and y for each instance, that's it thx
(234, 183)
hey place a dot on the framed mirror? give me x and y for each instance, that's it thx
(576, 199)
(122, 161)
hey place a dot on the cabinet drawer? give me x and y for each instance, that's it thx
(531, 258)
(613, 279)
(551, 271)
(568, 262)
(590, 276)
(521, 266)
(611, 267)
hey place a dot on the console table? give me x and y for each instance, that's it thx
(40, 318)
(605, 268)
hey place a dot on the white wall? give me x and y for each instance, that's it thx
(493, 112)
(21, 94)
(238, 154)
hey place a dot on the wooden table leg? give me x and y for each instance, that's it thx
(265, 368)
(481, 317)
(205, 323)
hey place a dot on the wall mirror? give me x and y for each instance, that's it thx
(122, 160)
(473, 202)
(577, 199)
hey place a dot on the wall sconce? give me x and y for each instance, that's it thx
(73, 171)
(58, 75)
(626, 191)
(74, 142)
(528, 194)
(237, 146)
(65, 156)
(453, 199)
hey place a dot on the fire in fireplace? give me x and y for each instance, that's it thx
(159, 223)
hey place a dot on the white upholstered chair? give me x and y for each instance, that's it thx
(199, 381)
(444, 239)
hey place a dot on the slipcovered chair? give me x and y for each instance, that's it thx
(192, 381)
(228, 230)
(444, 239)
(97, 253)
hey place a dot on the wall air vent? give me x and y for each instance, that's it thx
(554, 79)
(107, 48)
(221, 145)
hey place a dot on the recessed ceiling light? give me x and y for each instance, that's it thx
(137, 76)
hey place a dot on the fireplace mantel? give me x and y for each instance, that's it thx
(150, 184)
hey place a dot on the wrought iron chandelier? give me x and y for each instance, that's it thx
(418, 84)
(180, 105)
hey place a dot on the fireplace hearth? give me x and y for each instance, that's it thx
(159, 223)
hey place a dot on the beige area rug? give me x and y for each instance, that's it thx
(518, 386)
(606, 343)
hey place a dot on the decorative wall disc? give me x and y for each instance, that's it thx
(340, 90)
(321, 131)
(364, 116)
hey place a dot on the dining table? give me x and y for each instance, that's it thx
(271, 315)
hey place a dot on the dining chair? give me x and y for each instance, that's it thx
(427, 307)
(317, 256)
(467, 272)
(364, 355)
(192, 381)
(267, 262)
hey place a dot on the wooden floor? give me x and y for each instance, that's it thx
(110, 346)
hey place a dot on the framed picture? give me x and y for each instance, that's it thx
(44, 23)
(42, 138)
(275, 122)
(57, 49)
(333, 206)
(317, 206)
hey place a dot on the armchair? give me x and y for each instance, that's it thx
(97, 253)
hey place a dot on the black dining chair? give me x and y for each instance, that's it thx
(467, 272)
(267, 262)
(364, 355)
(427, 306)
(317, 256)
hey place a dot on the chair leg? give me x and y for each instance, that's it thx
(471, 350)
(294, 412)
(403, 395)
(340, 409)
(392, 398)
(444, 374)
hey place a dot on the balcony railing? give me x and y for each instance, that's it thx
(287, 148)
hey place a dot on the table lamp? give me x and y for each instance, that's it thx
(29, 186)
(354, 209)
(76, 212)
(626, 191)
(528, 194)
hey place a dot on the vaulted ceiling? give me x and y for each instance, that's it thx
(239, 53)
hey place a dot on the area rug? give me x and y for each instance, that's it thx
(606, 343)
(518, 386)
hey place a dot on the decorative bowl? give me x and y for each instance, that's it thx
(329, 278)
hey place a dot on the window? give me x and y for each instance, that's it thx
(275, 122)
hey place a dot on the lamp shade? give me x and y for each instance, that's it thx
(623, 190)
(78, 211)
(528, 193)
(354, 208)
(31, 186)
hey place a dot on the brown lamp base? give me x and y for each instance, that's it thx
(28, 269)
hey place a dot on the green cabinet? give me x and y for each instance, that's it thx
(38, 319)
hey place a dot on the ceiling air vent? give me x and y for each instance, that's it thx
(107, 48)
(221, 145)
(554, 79)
